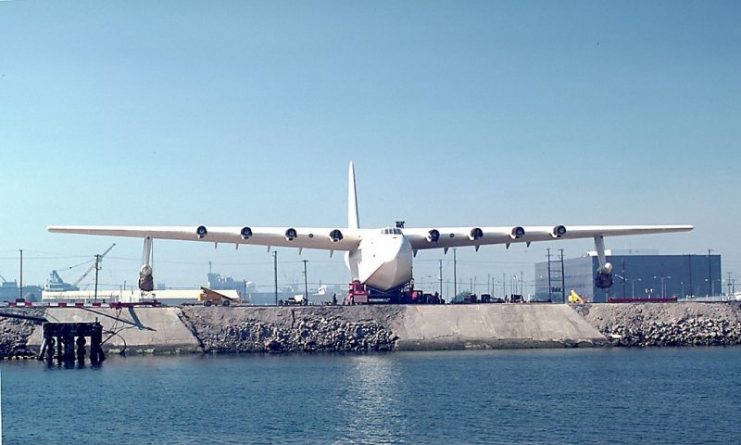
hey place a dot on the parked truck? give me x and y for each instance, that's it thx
(358, 293)
(209, 297)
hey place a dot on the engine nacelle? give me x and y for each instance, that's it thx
(291, 234)
(146, 281)
(246, 233)
(603, 280)
(517, 232)
(558, 231)
(433, 236)
(201, 232)
(475, 233)
(335, 236)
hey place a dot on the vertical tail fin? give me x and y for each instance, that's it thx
(352, 199)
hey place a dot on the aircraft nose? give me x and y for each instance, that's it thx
(394, 246)
(394, 267)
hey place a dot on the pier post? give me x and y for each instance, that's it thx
(59, 348)
(96, 351)
(50, 343)
(81, 350)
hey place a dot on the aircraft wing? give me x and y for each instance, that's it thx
(446, 237)
(297, 237)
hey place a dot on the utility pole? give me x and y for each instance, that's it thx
(689, 264)
(97, 268)
(710, 276)
(488, 284)
(455, 273)
(275, 274)
(20, 286)
(306, 284)
(504, 285)
(550, 286)
(729, 285)
(441, 278)
(522, 283)
(563, 279)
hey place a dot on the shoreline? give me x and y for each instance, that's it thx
(220, 330)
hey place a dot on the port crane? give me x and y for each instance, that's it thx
(55, 279)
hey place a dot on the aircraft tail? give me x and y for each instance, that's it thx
(352, 199)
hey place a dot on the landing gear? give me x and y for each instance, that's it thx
(146, 280)
(603, 280)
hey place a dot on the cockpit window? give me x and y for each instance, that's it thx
(391, 231)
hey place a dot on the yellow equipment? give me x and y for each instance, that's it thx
(575, 298)
(210, 297)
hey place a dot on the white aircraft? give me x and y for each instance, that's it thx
(379, 258)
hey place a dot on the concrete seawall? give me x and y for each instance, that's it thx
(492, 326)
(175, 330)
(129, 330)
(318, 328)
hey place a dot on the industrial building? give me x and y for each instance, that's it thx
(634, 276)
(10, 291)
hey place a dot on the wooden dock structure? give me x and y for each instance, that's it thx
(66, 343)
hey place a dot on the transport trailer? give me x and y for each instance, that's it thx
(358, 293)
(144, 303)
(643, 300)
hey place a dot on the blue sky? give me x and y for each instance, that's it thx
(456, 113)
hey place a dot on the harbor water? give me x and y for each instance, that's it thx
(670, 395)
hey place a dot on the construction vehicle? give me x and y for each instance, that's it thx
(210, 297)
(575, 298)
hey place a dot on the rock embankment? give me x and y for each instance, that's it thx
(291, 329)
(14, 333)
(384, 328)
(666, 324)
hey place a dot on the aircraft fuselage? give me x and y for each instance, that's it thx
(383, 260)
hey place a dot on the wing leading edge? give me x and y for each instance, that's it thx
(297, 237)
(345, 239)
(446, 237)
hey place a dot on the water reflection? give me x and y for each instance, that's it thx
(687, 395)
(372, 407)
